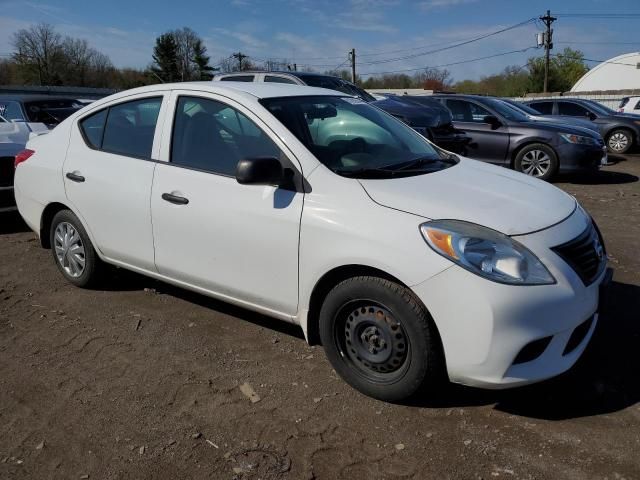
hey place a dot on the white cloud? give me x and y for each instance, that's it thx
(435, 4)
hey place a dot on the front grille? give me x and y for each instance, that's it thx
(585, 254)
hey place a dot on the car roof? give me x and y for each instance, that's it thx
(7, 97)
(244, 89)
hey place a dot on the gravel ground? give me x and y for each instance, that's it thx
(143, 380)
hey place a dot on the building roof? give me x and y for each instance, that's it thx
(619, 73)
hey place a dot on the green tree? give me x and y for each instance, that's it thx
(565, 69)
(201, 60)
(165, 58)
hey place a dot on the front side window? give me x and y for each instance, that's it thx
(572, 109)
(355, 139)
(130, 127)
(212, 136)
(11, 111)
(464, 111)
(637, 107)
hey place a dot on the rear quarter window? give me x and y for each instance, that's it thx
(92, 128)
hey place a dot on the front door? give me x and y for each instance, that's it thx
(489, 143)
(237, 241)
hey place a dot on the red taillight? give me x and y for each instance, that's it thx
(22, 157)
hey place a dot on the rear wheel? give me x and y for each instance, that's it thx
(379, 338)
(619, 141)
(73, 251)
(538, 160)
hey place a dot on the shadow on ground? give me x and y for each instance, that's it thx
(605, 379)
(11, 222)
(601, 177)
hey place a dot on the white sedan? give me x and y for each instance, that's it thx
(313, 207)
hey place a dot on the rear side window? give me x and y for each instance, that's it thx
(275, 79)
(212, 136)
(545, 108)
(238, 78)
(637, 107)
(572, 109)
(130, 127)
(93, 127)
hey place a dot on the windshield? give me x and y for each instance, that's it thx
(599, 108)
(523, 108)
(507, 111)
(51, 111)
(355, 139)
(335, 83)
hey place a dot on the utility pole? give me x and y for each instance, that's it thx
(548, 45)
(240, 56)
(352, 55)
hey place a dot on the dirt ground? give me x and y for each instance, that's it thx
(141, 380)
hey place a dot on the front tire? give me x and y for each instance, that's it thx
(73, 251)
(619, 141)
(380, 339)
(537, 160)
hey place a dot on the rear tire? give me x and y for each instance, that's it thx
(619, 141)
(73, 251)
(537, 160)
(380, 339)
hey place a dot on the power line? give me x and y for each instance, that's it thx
(560, 55)
(599, 43)
(455, 45)
(452, 63)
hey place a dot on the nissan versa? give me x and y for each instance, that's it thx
(403, 260)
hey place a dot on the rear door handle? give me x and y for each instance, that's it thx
(169, 197)
(75, 177)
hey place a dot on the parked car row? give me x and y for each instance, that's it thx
(21, 117)
(406, 262)
(620, 131)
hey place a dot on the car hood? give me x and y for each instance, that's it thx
(472, 191)
(562, 121)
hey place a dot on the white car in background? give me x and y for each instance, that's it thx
(316, 208)
(629, 105)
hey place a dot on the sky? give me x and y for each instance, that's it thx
(319, 33)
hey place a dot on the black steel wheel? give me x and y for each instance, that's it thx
(379, 338)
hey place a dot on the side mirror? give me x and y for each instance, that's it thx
(591, 116)
(260, 171)
(492, 120)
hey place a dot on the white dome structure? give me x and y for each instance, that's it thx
(619, 73)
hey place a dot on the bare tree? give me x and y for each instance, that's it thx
(39, 53)
(435, 79)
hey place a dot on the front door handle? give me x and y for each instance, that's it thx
(169, 197)
(75, 177)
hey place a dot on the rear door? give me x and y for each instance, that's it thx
(488, 143)
(237, 241)
(108, 173)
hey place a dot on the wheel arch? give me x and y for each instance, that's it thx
(332, 278)
(526, 143)
(45, 221)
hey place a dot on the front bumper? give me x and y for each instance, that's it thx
(486, 327)
(575, 158)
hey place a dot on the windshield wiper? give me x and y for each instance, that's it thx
(421, 162)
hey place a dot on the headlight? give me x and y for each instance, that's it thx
(485, 252)
(579, 139)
